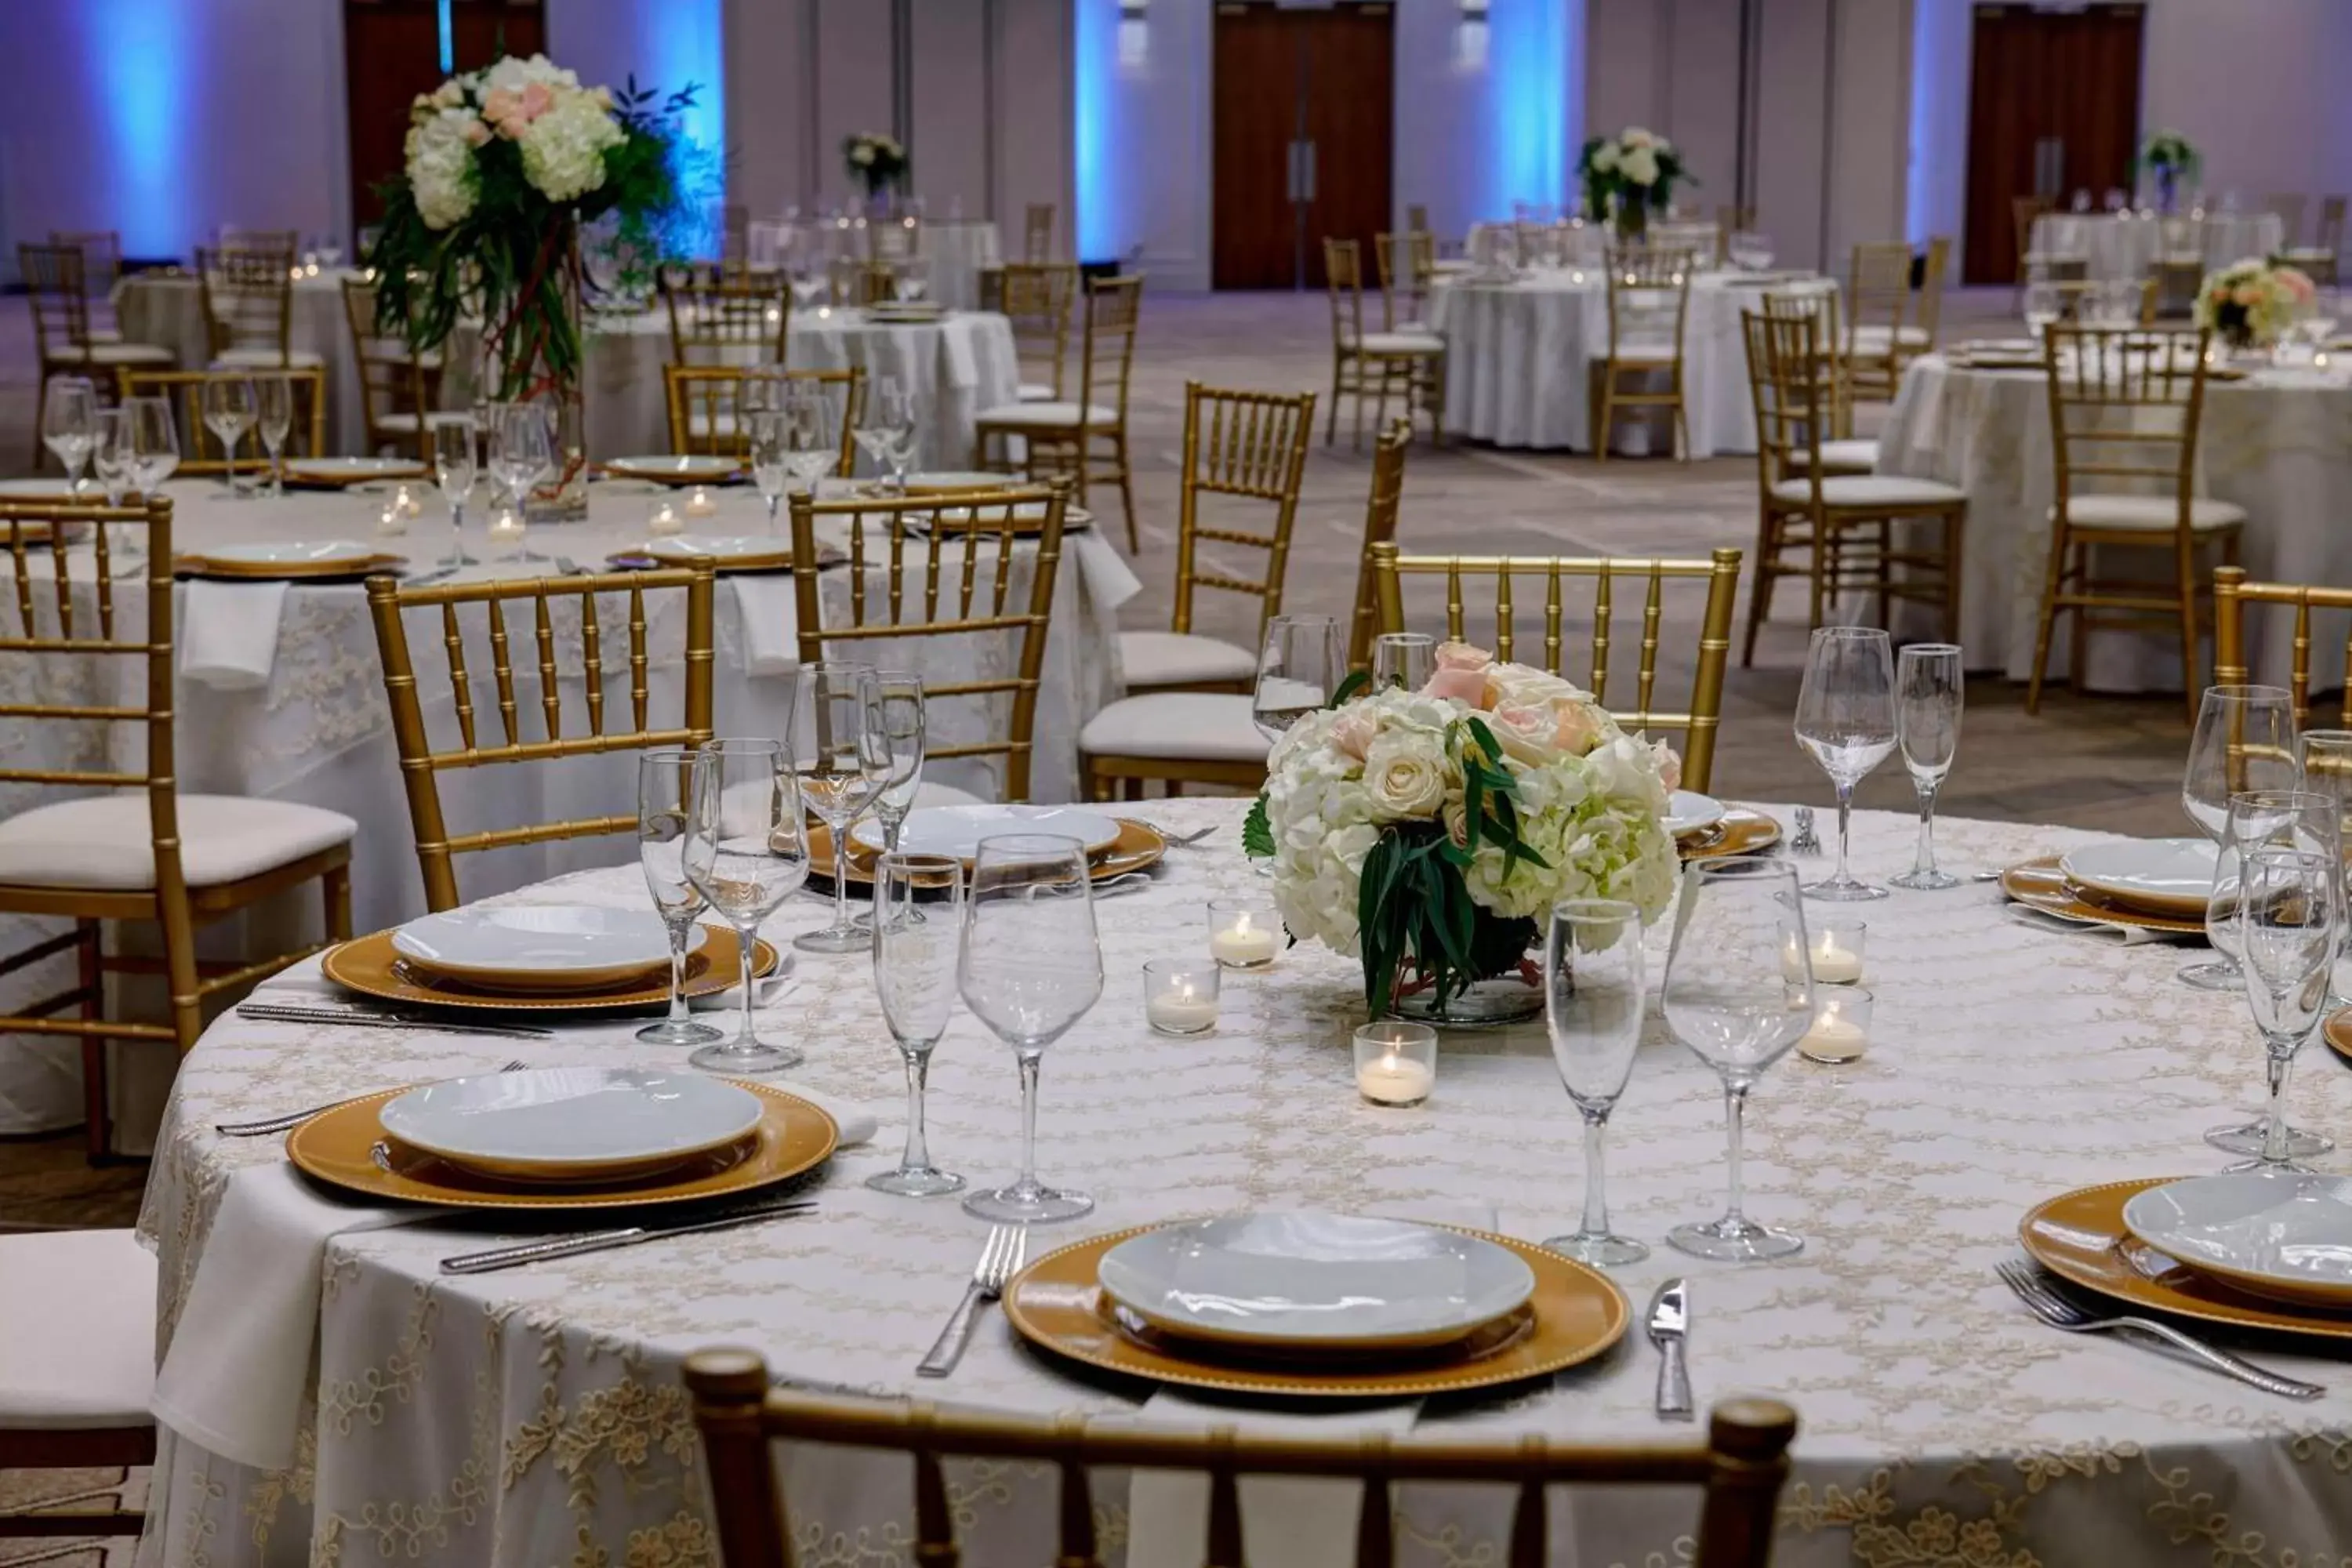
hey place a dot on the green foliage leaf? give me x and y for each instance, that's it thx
(1357, 680)
(1257, 832)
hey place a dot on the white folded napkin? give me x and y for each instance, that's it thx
(770, 622)
(1109, 583)
(228, 632)
(241, 1357)
(2120, 935)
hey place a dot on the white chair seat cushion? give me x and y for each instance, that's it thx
(406, 421)
(1062, 415)
(1848, 456)
(1036, 391)
(1186, 726)
(1181, 658)
(1403, 344)
(1876, 338)
(105, 841)
(2150, 514)
(76, 1329)
(261, 358)
(1869, 489)
(711, 422)
(117, 353)
(1645, 353)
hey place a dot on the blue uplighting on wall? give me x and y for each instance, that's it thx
(141, 55)
(1533, 54)
(1095, 57)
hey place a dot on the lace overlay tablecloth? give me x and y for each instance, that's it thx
(535, 1416)
(2117, 245)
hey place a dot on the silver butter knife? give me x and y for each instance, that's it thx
(282, 1012)
(1669, 1327)
(516, 1257)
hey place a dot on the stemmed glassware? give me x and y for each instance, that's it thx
(913, 279)
(771, 472)
(916, 947)
(843, 757)
(1302, 664)
(1728, 995)
(1846, 721)
(810, 451)
(154, 441)
(2289, 922)
(665, 800)
(1404, 659)
(1592, 1007)
(69, 424)
(889, 434)
(274, 417)
(2043, 305)
(2245, 741)
(746, 852)
(111, 460)
(1030, 967)
(2285, 819)
(456, 462)
(1928, 688)
(900, 702)
(229, 411)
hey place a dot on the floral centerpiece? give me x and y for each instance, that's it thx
(876, 162)
(2250, 304)
(2171, 158)
(1428, 831)
(1629, 173)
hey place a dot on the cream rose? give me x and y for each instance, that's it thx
(1405, 775)
(1670, 765)
(1461, 673)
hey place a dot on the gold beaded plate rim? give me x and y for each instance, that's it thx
(2040, 884)
(1741, 830)
(372, 967)
(1136, 847)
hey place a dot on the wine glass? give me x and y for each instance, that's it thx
(2245, 741)
(457, 461)
(1030, 967)
(230, 408)
(111, 460)
(2288, 818)
(1303, 664)
(810, 451)
(1404, 659)
(914, 280)
(665, 800)
(2289, 922)
(1729, 999)
(843, 761)
(918, 930)
(1928, 688)
(154, 441)
(900, 699)
(1592, 1007)
(746, 852)
(889, 434)
(2043, 304)
(69, 424)
(1846, 720)
(770, 471)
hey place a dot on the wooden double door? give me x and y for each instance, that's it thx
(392, 52)
(1301, 145)
(2053, 108)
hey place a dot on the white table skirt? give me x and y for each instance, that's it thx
(525, 1417)
(168, 308)
(2280, 445)
(2119, 246)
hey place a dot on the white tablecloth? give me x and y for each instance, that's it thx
(959, 250)
(168, 308)
(2114, 245)
(535, 1415)
(2280, 445)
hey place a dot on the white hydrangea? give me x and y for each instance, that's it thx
(1641, 167)
(441, 165)
(563, 148)
(514, 75)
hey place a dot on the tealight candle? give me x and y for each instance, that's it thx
(1840, 1029)
(1396, 1063)
(1244, 933)
(391, 522)
(1180, 997)
(506, 526)
(664, 521)
(700, 504)
(408, 505)
(1835, 947)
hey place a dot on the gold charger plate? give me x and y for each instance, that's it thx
(2080, 1237)
(672, 477)
(721, 565)
(2040, 884)
(337, 1147)
(193, 565)
(2337, 1033)
(1739, 831)
(370, 966)
(1136, 848)
(399, 474)
(1574, 1315)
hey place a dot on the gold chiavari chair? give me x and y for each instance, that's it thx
(2125, 416)
(249, 296)
(101, 269)
(1731, 219)
(517, 738)
(896, 238)
(1878, 300)
(1931, 302)
(1037, 234)
(398, 387)
(1739, 1470)
(2078, 297)
(2231, 662)
(2174, 279)
(1842, 451)
(1380, 510)
(1697, 723)
(724, 323)
(1846, 524)
(1649, 299)
(1035, 298)
(2318, 259)
(1409, 365)
(902, 586)
(856, 282)
(63, 336)
(1085, 439)
(200, 451)
(1407, 265)
(139, 849)
(710, 407)
(77, 1372)
(2024, 212)
(2288, 210)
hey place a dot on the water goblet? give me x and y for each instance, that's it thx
(811, 449)
(888, 436)
(457, 461)
(1592, 1009)
(229, 410)
(1404, 659)
(274, 417)
(665, 800)
(1929, 687)
(154, 441)
(2290, 919)
(112, 461)
(1303, 663)
(746, 852)
(69, 424)
(918, 930)
(2245, 741)
(770, 470)
(843, 759)
(2289, 818)
(1846, 721)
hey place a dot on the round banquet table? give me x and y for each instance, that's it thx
(168, 308)
(517, 1417)
(2278, 444)
(959, 250)
(2120, 246)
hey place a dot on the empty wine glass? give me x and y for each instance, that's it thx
(154, 442)
(770, 472)
(69, 424)
(457, 461)
(1030, 966)
(888, 436)
(665, 800)
(1404, 659)
(1592, 1007)
(1303, 663)
(2289, 922)
(2285, 819)
(111, 460)
(843, 759)
(1729, 999)
(2043, 304)
(1846, 720)
(2245, 741)
(230, 408)
(1928, 688)
(811, 450)
(274, 417)
(746, 852)
(917, 935)
(900, 702)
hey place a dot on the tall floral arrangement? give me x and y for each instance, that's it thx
(1634, 170)
(2171, 158)
(2252, 303)
(878, 162)
(1427, 832)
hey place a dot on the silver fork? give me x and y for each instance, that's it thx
(1007, 1244)
(293, 1119)
(2059, 1312)
(1182, 840)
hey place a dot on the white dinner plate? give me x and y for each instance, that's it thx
(1310, 1279)
(676, 466)
(1688, 811)
(2167, 874)
(957, 830)
(293, 553)
(570, 1123)
(351, 470)
(57, 487)
(2282, 1233)
(955, 479)
(685, 547)
(553, 948)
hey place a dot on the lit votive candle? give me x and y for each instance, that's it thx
(664, 521)
(1396, 1063)
(1835, 946)
(1841, 1030)
(1244, 933)
(506, 527)
(392, 520)
(408, 505)
(698, 502)
(1180, 997)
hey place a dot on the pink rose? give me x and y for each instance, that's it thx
(1670, 767)
(1461, 673)
(1575, 730)
(537, 100)
(1527, 732)
(1352, 732)
(477, 133)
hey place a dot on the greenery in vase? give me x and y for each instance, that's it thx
(2250, 304)
(876, 162)
(1634, 168)
(2169, 151)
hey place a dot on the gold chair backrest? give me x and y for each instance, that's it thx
(1035, 298)
(1343, 282)
(514, 742)
(2232, 594)
(1406, 274)
(56, 285)
(2124, 406)
(724, 323)
(200, 451)
(1251, 446)
(394, 378)
(1739, 1470)
(1643, 281)
(1037, 234)
(902, 584)
(249, 296)
(894, 238)
(2073, 293)
(1794, 401)
(1878, 291)
(101, 256)
(1931, 291)
(1107, 352)
(710, 407)
(1823, 306)
(1380, 510)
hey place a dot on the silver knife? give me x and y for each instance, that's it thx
(277, 1013)
(516, 1257)
(1669, 1327)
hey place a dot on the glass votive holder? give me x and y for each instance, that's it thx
(664, 521)
(506, 529)
(1840, 1029)
(391, 522)
(1396, 1062)
(698, 504)
(1180, 996)
(1834, 943)
(1244, 933)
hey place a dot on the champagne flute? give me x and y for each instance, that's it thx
(1846, 720)
(1929, 687)
(457, 461)
(843, 761)
(746, 852)
(2288, 818)
(274, 397)
(1030, 967)
(2245, 741)
(665, 800)
(2289, 922)
(154, 441)
(113, 460)
(69, 424)
(770, 472)
(915, 953)
(1303, 663)
(228, 409)
(1404, 659)
(1592, 1007)
(900, 697)
(1729, 998)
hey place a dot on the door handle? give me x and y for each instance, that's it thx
(1308, 160)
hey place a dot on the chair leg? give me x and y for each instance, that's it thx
(1682, 426)
(1955, 538)
(40, 412)
(2046, 624)
(1126, 493)
(1767, 577)
(1330, 415)
(97, 1127)
(1608, 412)
(2185, 580)
(335, 890)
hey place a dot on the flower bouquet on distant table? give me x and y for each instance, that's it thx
(2171, 158)
(2250, 304)
(876, 162)
(1428, 832)
(1629, 173)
